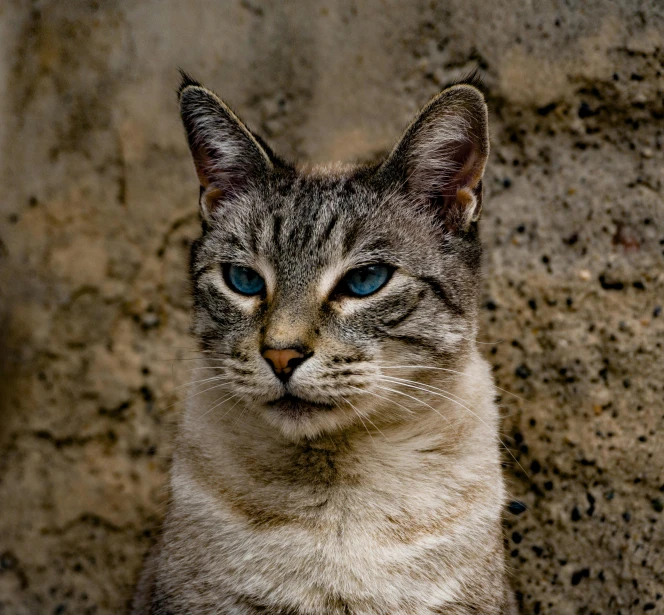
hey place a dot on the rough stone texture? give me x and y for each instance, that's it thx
(99, 205)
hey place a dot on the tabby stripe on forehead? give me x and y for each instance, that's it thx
(440, 292)
(307, 234)
(276, 228)
(235, 242)
(350, 239)
(299, 236)
(330, 225)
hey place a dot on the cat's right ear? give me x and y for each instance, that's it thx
(227, 156)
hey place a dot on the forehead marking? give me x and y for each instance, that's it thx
(330, 225)
(276, 228)
(350, 238)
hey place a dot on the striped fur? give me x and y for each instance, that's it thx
(370, 483)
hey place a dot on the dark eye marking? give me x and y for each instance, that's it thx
(243, 280)
(364, 281)
(421, 342)
(442, 294)
(399, 318)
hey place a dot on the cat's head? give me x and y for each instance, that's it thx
(317, 294)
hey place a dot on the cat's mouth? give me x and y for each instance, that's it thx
(297, 406)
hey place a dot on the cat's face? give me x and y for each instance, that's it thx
(363, 277)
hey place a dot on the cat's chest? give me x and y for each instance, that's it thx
(350, 543)
(392, 535)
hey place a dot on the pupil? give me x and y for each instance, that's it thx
(250, 279)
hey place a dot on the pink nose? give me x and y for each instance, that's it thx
(283, 362)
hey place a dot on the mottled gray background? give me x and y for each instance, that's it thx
(98, 206)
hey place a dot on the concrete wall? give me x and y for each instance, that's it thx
(98, 208)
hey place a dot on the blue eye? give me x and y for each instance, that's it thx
(367, 280)
(244, 280)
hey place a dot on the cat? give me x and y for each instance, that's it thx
(343, 458)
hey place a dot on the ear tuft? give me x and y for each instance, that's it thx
(229, 159)
(440, 160)
(186, 80)
(473, 78)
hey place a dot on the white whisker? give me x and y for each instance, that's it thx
(444, 369)
(196, 395)
(239, 416)
(382, 397)
(394, 378)
(193, 382)
(359, 416)
(215, 406)
(479, 418)
(419, 401)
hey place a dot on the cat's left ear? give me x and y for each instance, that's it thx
(440, 159)
(227, 156)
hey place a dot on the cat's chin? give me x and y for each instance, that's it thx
(296, 407)
(298, 418)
